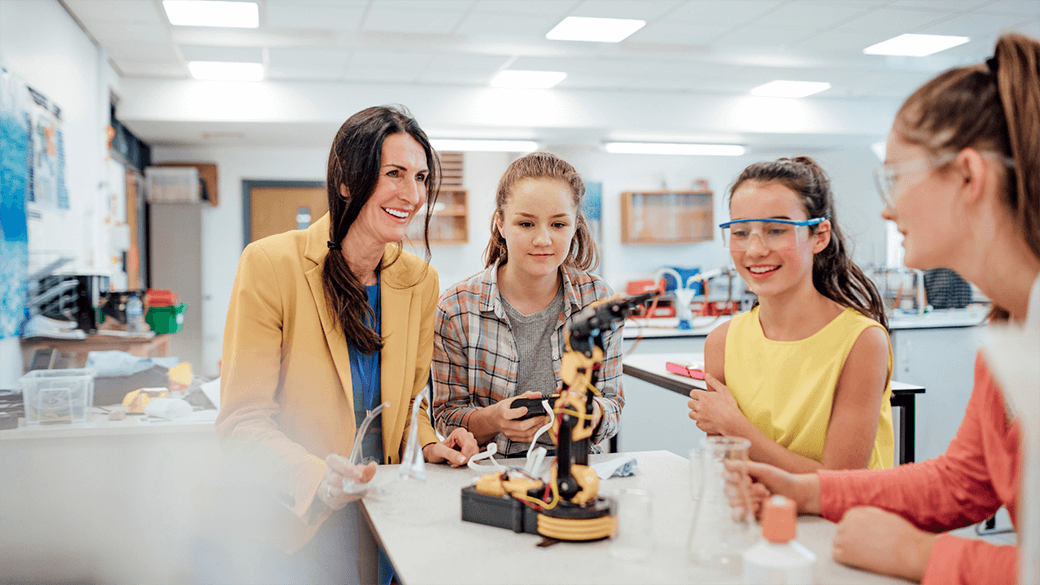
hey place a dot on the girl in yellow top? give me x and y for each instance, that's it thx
(805, 375)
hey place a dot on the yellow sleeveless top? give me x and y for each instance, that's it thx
(786, 388)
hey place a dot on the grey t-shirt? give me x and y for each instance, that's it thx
(533, 337)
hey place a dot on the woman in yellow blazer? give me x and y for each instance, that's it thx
(327, 322)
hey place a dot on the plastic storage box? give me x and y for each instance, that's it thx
(57, 396)
(166, 319)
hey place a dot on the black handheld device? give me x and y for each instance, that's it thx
(534, 405)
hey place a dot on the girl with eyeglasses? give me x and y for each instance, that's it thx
(805, 375)
(963, 168)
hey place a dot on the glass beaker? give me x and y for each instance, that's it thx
(720, 532)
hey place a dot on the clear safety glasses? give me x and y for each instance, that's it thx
(886, 176)
(775, 234)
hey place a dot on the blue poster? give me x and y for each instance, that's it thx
(14, 241)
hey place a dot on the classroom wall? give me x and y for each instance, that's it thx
(222, 226)
(41, 44)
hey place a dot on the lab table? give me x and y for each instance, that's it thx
(419, 525)
(651, 368)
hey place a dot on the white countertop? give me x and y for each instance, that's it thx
(419, 525)
(99, 425)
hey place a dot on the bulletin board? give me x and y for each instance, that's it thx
(47, 187)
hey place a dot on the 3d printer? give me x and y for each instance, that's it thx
(568, 506)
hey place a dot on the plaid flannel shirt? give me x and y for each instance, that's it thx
(476, 362)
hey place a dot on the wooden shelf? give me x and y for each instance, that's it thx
(208, 175)
(449, 224)
(667, 217)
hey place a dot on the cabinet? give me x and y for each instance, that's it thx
(943, 361)
(449, 223)
(207, 174)
(666, 217)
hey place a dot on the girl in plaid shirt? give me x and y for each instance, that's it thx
(499, 335)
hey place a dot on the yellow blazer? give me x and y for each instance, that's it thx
(286, 391)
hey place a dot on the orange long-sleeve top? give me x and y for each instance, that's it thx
(977, 475)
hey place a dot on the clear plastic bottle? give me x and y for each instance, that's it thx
(135, 324)
(777, 558)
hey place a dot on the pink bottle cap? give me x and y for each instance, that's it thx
(779, 519)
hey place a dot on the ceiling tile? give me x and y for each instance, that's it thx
(120, 11)
(946, 6)
(975, 25)
(591, 66)
(677, 32)
(551, 8)
(839, 44)
(311, 59)
(731, 12)
(411, 21)
(484, 24)
(108, 33)
(456, 6)
(143, 52)
(387, 66)
(814, 15)
(759, 36)
(1023, 7)
(648, 10)
(479, 65)
(893, 21)
(314, 15)
(226, 54)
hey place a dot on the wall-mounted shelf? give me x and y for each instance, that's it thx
(667, 217)
(450, 221)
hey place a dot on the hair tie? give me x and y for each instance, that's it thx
(992, 64)
(335, 246)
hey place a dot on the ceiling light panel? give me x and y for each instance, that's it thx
(527, 79)
(601, 30)
(911, 45)
(212, 13)
(219, 71)
(674, 148)
(790, 89)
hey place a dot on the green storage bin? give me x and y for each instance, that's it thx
(166, 319)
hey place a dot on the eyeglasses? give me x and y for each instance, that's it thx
(775, 234)
(887, 175)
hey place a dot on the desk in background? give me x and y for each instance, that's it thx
(419, 525)
(651, 368)
(75, 350)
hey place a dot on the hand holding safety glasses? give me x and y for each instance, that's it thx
(775, 234)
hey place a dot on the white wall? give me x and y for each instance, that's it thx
(40, 43)
(222, 226)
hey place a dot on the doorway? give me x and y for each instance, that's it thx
(273, 207)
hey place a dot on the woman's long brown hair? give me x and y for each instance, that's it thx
(355, 162)
(834, 273)
(992, 107)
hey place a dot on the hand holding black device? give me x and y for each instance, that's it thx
(534, 405)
